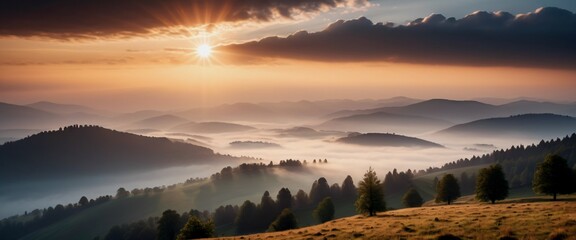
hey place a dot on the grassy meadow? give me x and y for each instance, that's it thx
(529, 218)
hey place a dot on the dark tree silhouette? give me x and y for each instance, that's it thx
(301, 199)
(448, 189)
(348, 188)
(83, 201)
(122, 193)
(370, 194)
(225, 215)
(284, 199)
(553, 177)
(195, 228)
(267, 211)
(325, 210)
(491, 184)
(168, 225)
(285, 221)
(246, 217)
(412, 198)
(320, 190)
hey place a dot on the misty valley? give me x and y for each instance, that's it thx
(77, 172)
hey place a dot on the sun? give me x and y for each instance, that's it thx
(204, 51)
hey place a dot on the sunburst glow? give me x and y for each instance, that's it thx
(204, 50)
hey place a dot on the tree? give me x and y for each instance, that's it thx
(320, 190)
(83, 201)
(245, 219)
(412, 198)
(348, 189)
(285, 221)
(448, 189)
(122, 193)
(491, 184)
(301, 199)
(284, 199)
(370, 194)
(553, 176)
(267, 211)
(325, 210)
(195, 228)
(168, 225)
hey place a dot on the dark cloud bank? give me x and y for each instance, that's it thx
(543, 38)
(104, 18)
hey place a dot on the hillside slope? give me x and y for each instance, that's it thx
(467, 221)
(543, 125)
(85, 150)
(386, 140)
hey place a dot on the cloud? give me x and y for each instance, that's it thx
(71, 19)
(543, 38)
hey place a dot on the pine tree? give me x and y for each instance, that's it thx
(553, 176)
(370, 194)
(348, 188)
(448, 189)
(491, 184)
(245, 219)
(325, 210)
(284, 199)
(412, 198)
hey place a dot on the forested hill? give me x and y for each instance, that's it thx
(85, 150)
(519, 162)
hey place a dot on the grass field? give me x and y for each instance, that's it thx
(531, 218)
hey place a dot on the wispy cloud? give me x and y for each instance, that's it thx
(543, 38)
(72, 19)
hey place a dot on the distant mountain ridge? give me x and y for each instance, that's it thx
(84, 150)
(387, 140)
(385, 122)
(464, 111)
(542, 125)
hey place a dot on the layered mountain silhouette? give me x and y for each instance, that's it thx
(385, 122)
(211, 127)
(542, 126)
(159, 122)
(465, 111)
(93, 150)
(387, 140)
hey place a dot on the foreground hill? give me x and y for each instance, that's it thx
(522, 219)
(543, 125)
(386, 140)
(85, 150)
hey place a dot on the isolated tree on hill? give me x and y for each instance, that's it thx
(553, 176)
(246, 217)
(195, 228)
(168, 225)
(370, 194)
(412, 198)
(491, 184)
(348, 188)
(285, 221)
(284, 199)
(448, 189)
(325, 210)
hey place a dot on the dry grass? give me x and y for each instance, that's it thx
(519, 220)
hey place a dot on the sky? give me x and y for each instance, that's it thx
(130, 55)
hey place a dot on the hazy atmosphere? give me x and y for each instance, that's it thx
(137, 107)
